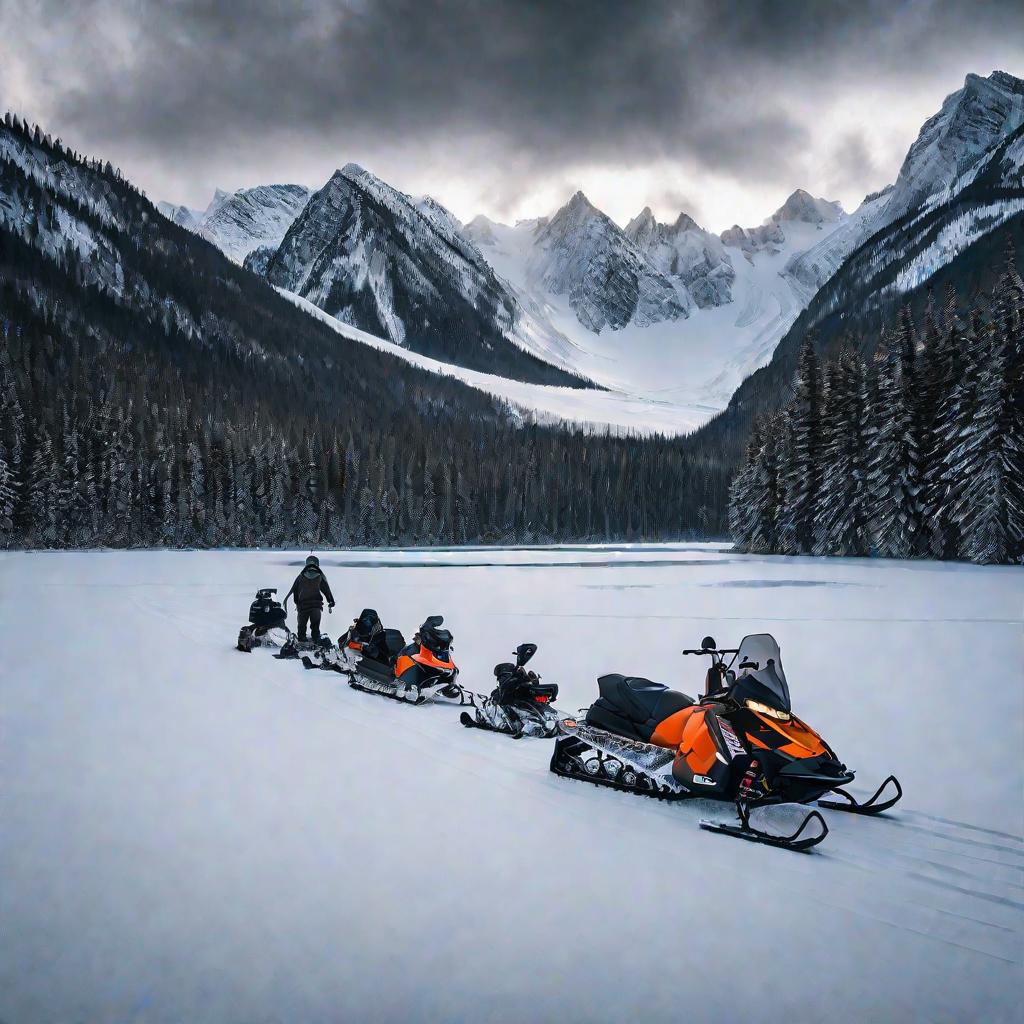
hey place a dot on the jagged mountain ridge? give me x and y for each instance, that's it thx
(720, 303)
(970, 123)
(685, 252)
(370, 256)
(582, 254)
(240, 222)
(672, 312)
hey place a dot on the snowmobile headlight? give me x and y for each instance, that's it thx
(763, 709)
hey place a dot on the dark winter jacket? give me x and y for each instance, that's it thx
(308, 587)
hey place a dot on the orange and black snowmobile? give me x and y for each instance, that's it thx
(420, 671)
(740, 742)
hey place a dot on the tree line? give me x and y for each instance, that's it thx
(916, 452)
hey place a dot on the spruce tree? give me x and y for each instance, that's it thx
(767, 489)
(988, 456)
(801, 471)
(894, 475)
(841, 520)
(742, 509)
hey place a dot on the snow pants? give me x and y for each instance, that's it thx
(310, 617)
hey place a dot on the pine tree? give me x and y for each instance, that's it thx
(843, 510)
(43, 495)
(7, 499)
(989, 455)
(802, 468)
(894, 475)
(943, 364)
(742, 508)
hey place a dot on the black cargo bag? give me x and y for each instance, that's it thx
(265, 611)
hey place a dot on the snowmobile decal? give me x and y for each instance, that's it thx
(731, 740)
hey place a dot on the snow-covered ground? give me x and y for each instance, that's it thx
(190, 833)
(587, 407)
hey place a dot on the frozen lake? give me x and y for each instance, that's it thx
(188, 833)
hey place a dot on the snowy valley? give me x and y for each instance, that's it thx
(667, 315)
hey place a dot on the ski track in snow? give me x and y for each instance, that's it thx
(204, 835)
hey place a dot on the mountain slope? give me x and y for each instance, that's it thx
(581, 254)
(969, 124)
(685, 252)
(241, 221)
(957, 238)
(365, 253)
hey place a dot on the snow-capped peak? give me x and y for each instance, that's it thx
(480, 230)
(355, 172)
(802, 206)
(683, 251)
(970, 121)
(181, 215)
(239, 222)
(583, 254)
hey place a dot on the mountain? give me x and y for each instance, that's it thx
(370, 256)
(802, 206)
(582, 254)
(687, 314)
(181, 215)
(685, 252)
(238, 222)
(954, 237)
(156, 393)
(971, 121)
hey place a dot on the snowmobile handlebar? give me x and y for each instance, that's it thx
(712, 650)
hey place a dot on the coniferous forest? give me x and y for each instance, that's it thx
(918, 452)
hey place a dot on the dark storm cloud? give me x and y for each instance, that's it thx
(532, 87)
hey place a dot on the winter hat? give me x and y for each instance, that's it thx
(313, 560)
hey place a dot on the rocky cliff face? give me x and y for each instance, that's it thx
(685, 252)
(399, 268)
(584, 255)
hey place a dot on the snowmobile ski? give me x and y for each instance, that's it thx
(850, 803)
(797, 842)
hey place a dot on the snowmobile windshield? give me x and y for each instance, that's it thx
(758, 667)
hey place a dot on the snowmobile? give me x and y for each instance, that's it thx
(739, 742)
(267, 623)
(366, 637)
(415, 673)
(520, 705)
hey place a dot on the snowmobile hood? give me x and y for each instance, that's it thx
(427, 657)
(793, 737)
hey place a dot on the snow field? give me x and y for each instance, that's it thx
(190, 833)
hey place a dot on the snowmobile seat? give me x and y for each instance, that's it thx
(392, 644)
(632, 706)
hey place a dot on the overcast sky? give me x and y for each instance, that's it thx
(719, 109)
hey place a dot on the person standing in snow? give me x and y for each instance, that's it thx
(310, 588)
